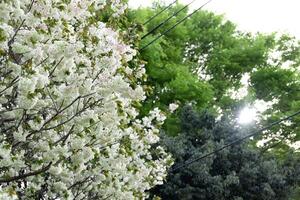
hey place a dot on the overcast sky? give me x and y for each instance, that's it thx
(251, 15)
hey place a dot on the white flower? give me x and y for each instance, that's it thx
(71, 107)
(59, 186)
(27, 85)
(173, 107)
(19, 136)
(8, 193)
(55, 170)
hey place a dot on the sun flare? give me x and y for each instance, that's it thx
(247, 115)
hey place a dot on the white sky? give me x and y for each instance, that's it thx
(251, 15)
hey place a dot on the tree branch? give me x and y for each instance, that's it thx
(24, 176)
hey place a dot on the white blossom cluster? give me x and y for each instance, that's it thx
(68, 121)
(173, 107)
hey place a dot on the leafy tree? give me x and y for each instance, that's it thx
(238, 172)
(198, 61)
(205, 58)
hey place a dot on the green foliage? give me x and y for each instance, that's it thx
(270, 83)
(239, 172)
(206, 56)
(279, 83)
(205, 44)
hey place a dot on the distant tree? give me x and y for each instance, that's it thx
(239, 172)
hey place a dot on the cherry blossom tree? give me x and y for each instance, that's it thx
(69, 127)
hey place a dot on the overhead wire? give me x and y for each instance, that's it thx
(171, 28)
(235, 141)
(157, 14)
(168, 19)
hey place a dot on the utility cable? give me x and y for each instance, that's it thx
(157, 14)
(171, 28)
(168, 19)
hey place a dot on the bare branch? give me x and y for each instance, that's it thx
(11, 41)
(79, 182)
(52, 71)
(24, 176)
(54, 103)
(61, 105)
(21, 120)
(108, 197)
(14, 81)
(75, 115)
(30, 6)
(56, 114)
(7, 73)
(65, 137)
(43, 61)
(59, 112)
(100, 71)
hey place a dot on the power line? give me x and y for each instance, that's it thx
(168, 19)
(157, 14)
(236, 141)
(179, 22)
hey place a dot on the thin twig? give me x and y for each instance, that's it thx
(100, 71)
(11, 41)
(54, 103)
(68, 120)
(14, 81)
(52, 71)
(65, 137)
(30, 6)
